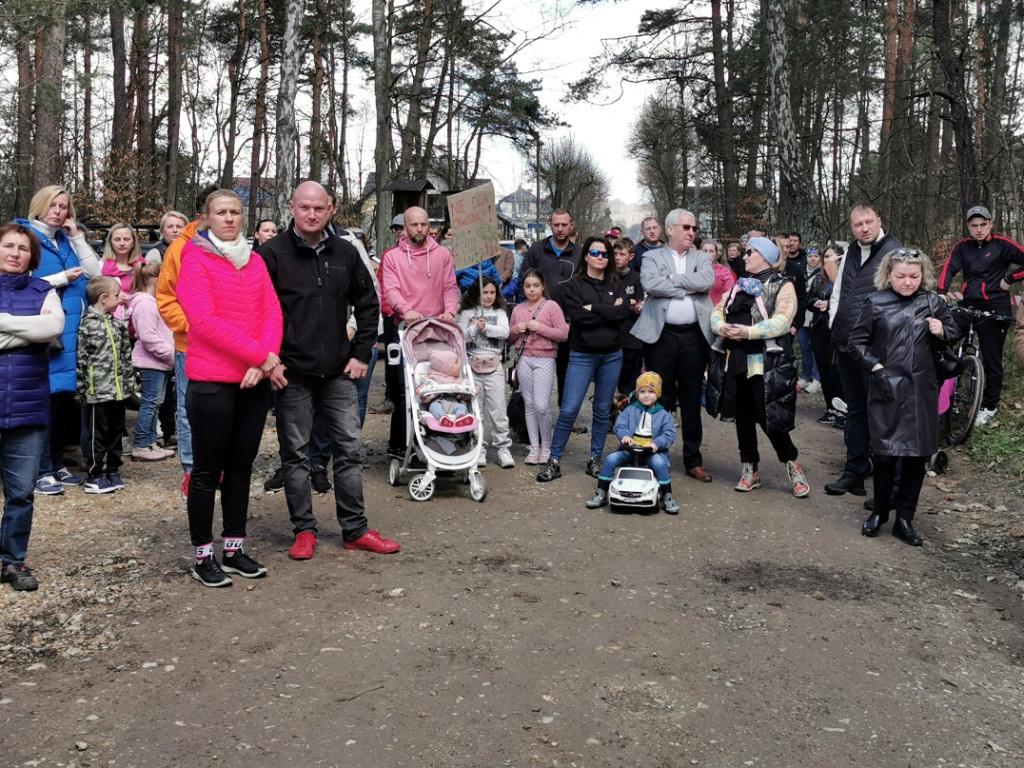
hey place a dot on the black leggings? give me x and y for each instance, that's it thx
(227, 425)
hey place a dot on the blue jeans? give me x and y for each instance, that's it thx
(20, 448)
(810, 365)
(855, 393)
(363, 386)
(154, 385)
(335, 402)
(584, 367)
(184, 429)
(657, 461)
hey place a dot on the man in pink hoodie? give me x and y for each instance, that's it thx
(417, 278)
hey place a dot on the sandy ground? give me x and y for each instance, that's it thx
(751, 630)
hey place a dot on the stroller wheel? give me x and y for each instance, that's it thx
(420, 490)
(394, 472)
(477, 487)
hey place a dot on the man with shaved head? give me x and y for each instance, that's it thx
(417, 280)
(319, 278)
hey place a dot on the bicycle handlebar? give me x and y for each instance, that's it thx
(980, 313)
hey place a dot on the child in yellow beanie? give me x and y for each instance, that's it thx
(643, 423)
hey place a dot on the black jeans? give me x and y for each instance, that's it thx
(632, 364)
(103, 427)
(824, 358)
(335, 402)
(680, 357)
(991, 339)
(906, 471)
(749, 392)
(227, 425)
(855, 392)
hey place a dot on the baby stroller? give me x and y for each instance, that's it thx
(437, 447)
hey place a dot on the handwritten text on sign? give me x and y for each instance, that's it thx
(474, 225)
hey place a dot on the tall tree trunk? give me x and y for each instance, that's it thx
(413, 156)
(87, 150)
(960, 116)
(140, 61)
(120, 130)
(796, 197)
(49, 98)
(227, 179)
(892, 22)
(259, 126)
(287, 134)
(316, 123)
(175, 35)
(725, 138)
(26, 97)
(384, 149)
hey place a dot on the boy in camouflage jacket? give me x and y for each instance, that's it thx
(104, 382)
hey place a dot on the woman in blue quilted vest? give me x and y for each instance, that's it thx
(67, 263)
(30, 318)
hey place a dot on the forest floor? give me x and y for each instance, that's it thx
(751, 630)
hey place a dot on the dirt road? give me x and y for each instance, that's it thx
(751, 630)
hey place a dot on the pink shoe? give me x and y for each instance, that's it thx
(533, 457)
(371, 541)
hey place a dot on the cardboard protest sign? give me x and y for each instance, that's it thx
(474, 219)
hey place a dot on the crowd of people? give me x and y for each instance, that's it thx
(219, 330)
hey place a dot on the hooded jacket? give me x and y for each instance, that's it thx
(105, 372)
(154, 346)
(596, 330)
(663, 430)
(419, 279)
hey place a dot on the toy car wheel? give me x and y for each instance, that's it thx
(420, 489)
(394, 472)
(477, 487)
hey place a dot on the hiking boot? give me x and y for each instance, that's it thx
(318, 479)
(594, 466)
(302, 549)
(243, 565)
(600, 499)
(48, 485)
(19, 576)
(505, 460)
(275, 483)
(797, 479)
(750, 478)
(65, 478)
(371, 541)
(669, 504)
(98, 485)
(550, 471)
(114, 478)
(208, 573)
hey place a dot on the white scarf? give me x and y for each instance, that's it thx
(236, 251)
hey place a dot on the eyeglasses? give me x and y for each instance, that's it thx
(597, 254)
(688, 227)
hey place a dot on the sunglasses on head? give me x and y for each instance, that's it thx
(597, 254)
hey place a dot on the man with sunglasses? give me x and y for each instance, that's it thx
(675, 326)
(854, 283)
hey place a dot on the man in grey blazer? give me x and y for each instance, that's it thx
(675, 326)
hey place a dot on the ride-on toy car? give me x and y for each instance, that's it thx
(634, 487)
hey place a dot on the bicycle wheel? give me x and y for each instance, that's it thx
(966, 400)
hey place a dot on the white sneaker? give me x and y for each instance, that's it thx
(482, 459)
(505, 460)
(802, 383)
(984, 417)
(839, 404)
(813, 386)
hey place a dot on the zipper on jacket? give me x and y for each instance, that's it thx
(117, 362)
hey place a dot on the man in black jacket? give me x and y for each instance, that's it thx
(854, 283)
(319, 277)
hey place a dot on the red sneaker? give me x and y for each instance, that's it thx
(184, 485)
(371, 541)
(302, 549)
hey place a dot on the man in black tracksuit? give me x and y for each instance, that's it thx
(986, 260)
(319, 277)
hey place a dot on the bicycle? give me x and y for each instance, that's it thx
(969, 382)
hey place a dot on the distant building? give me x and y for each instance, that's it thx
(520, 209)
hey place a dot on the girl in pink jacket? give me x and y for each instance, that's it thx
(152, 356)
(234, 336)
